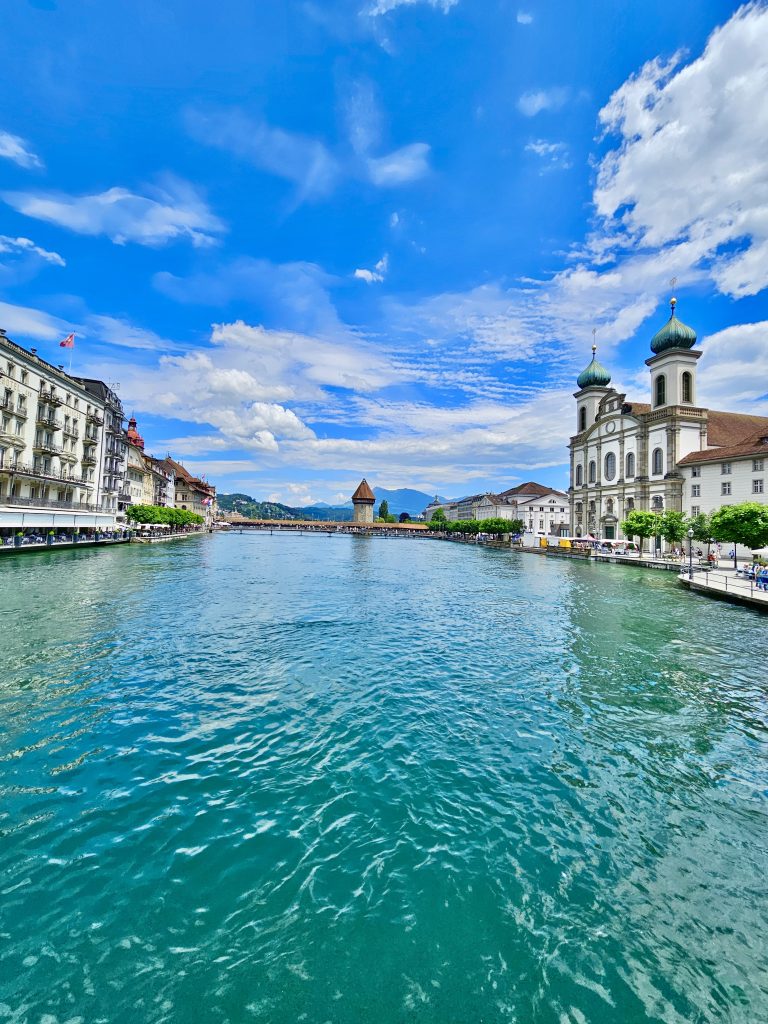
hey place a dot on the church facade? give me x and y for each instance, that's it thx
(629, 455)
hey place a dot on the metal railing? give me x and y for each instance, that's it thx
(71, 430)
(46, 420)
(75, 506)
(729, 583)
(39, 472)
(47, 446)
(96, 418)
(51, 398)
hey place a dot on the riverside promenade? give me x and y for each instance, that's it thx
(728, 585)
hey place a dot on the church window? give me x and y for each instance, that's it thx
(658, 501)
(630, 464)
(609, 506)
(592, 472)
(687, 387)
(630, 504)
(661, 389)
(658, 461)
(579, 476)
(610, 466)
(582, 419)
(579, 508)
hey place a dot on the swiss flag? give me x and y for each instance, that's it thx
(69, 342)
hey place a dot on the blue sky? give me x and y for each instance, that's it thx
(314, 241)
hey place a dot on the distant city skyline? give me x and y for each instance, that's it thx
(316, 242)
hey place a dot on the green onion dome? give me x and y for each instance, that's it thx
(674, 334)
(595, 375)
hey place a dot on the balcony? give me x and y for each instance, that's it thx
(9, 437)
(124, 496)
(66, 456)
(45, 419)
(95, 418)
(74, 506)
(89, 459)
(41, 445)
(90, 436)
(41, 473)
(21, 412)
(51, 398)
(70, 430)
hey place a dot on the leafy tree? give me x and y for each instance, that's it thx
(702, 529)
(746, 524)
(404, 517)
(672, 526)
(642, 524)
(161, 514)
(384, 510)
(437, 520)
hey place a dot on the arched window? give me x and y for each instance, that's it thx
(687, 387)
(658, 461)
(609, 507)
(579, 476)
(630, 464)
(582, 419)
(630, 504)
(579, 508)
(592, 472)
(610, 466)
(658, 501)
(661, 389)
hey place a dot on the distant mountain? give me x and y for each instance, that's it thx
(404, 499)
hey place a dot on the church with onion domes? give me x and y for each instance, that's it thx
(627, 455)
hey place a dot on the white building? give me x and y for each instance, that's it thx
(543, 510)
(51, 451)
(632, 455)
(726, 475)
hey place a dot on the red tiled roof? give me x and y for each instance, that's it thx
(364, 494)
(756, 444)
(729, 428)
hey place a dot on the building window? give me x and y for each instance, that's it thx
(631, 464)
(579, 507)
(658, 501)
(582, 419)
(757, 465)
(695, 510)
(658, 461)
(725, 468)
(725, 487)
(661, 389)
(610, 466)
(579, 476)
(609, 507)
(757, 486)
(696, 471)
(687, 387)
(630, 504)
(695, 490)
(592, 472)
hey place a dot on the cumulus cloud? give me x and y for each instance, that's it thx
(524, 18)
(689, 170)
(733, 370)
(532, 103)
(378, 273)
(169, 213)
(16, 149)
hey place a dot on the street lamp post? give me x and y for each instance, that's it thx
(690, 554)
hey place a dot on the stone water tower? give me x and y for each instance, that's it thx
(363, 500)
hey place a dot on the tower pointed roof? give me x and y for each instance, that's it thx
(594, 375)
(364, 495)
(674, 333)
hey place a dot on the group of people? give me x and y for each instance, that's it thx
(756, 571)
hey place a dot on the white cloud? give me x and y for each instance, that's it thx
(524, 18)
(168, 214)
(554, 155)
(379, 7)
(378, 273)
(14, 148)
(408, 163)
(34, 324)
(733, 370)
(25, 246)
(532, 103)
(690, 167)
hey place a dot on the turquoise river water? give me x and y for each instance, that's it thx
(338, 779)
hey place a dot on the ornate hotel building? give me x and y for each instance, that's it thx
(642, 455)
